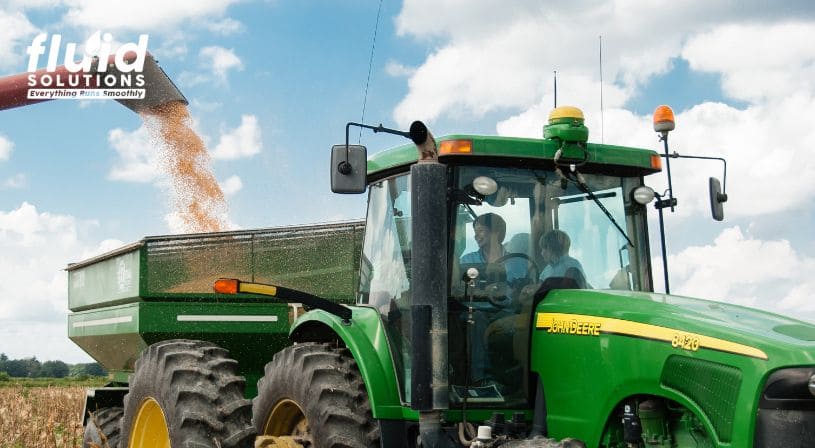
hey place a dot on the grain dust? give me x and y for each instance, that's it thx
(197, 197)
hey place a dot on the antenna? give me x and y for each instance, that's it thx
(555, 88)
(370, 66)
(602, 123)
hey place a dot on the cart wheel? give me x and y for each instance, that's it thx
(314, 393)
(186, 393)
(102, 429)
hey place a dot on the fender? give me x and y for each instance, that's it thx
(365, 338)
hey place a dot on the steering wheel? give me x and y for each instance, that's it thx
(526, 257)
(505, 300)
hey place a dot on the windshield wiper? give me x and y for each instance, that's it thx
(577, 178)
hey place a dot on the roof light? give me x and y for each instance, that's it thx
(456, 147)
(226, 286)
(664, 119)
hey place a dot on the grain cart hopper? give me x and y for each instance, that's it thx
(469, 324)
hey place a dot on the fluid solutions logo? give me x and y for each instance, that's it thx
(99, 74)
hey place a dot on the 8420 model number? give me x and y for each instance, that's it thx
(685, 342)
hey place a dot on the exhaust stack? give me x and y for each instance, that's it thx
(159, 88)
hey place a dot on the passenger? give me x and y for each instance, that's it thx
(555, 251)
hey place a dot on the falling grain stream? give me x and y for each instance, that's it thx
(197, 197)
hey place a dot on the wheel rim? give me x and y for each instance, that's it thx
(150, 427)
(286, 419)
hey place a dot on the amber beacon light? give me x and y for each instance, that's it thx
(664, 119)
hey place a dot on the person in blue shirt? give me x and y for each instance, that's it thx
(491, 257)
(554, 246)
(500, 276)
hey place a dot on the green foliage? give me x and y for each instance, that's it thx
(27, 383)
(87, 370)
(4, 377)
(33, 368)
(54, 369)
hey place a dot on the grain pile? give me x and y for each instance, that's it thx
(42, 417)
(198, 199)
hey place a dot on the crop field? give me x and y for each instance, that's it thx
(42, 415)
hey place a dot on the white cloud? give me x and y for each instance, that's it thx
(398, 70)
(139, 155)
(13, 5)
(225, 26)
(140, 16)
(171, 46)
(215, 63)
(243, 141)
(35, 247)
(231, 185)
(220, 60)
(18, 180)
(6, 146)
(505, 56)
(15, 33)
(740, 269)
(51, 341)
(758, 61)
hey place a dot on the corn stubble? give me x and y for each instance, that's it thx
(42, 417)
(198, 199)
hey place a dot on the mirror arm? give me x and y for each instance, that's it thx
(345, 167)
(676, 155)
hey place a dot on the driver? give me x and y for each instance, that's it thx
(491, 257)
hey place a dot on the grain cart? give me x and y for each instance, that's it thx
(464, 330)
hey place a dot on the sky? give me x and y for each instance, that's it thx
(272, 83)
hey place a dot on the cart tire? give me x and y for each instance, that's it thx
(315, 392)
(102, 429)
(186, 393)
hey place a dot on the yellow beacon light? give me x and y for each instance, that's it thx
(566, 124)
(567, 112)
(664, 119)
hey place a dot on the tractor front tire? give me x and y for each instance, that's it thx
(102, 428)
(314, 392)
(188, 394)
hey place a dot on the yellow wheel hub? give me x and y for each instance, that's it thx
(149, 427)
(286, 419)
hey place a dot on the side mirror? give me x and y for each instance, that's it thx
(717, 198)
(348, 168)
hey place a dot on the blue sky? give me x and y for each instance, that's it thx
(281, 78)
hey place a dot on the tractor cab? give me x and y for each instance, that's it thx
(523, 215)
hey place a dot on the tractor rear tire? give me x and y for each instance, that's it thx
(186, 393)
(102, 428)
(314, 392)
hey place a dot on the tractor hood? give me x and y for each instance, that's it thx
(781, 338)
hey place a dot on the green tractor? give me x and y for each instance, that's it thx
(499, 293)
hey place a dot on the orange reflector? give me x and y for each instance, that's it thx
(456, 147)
(656, 162)
(226, 286)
